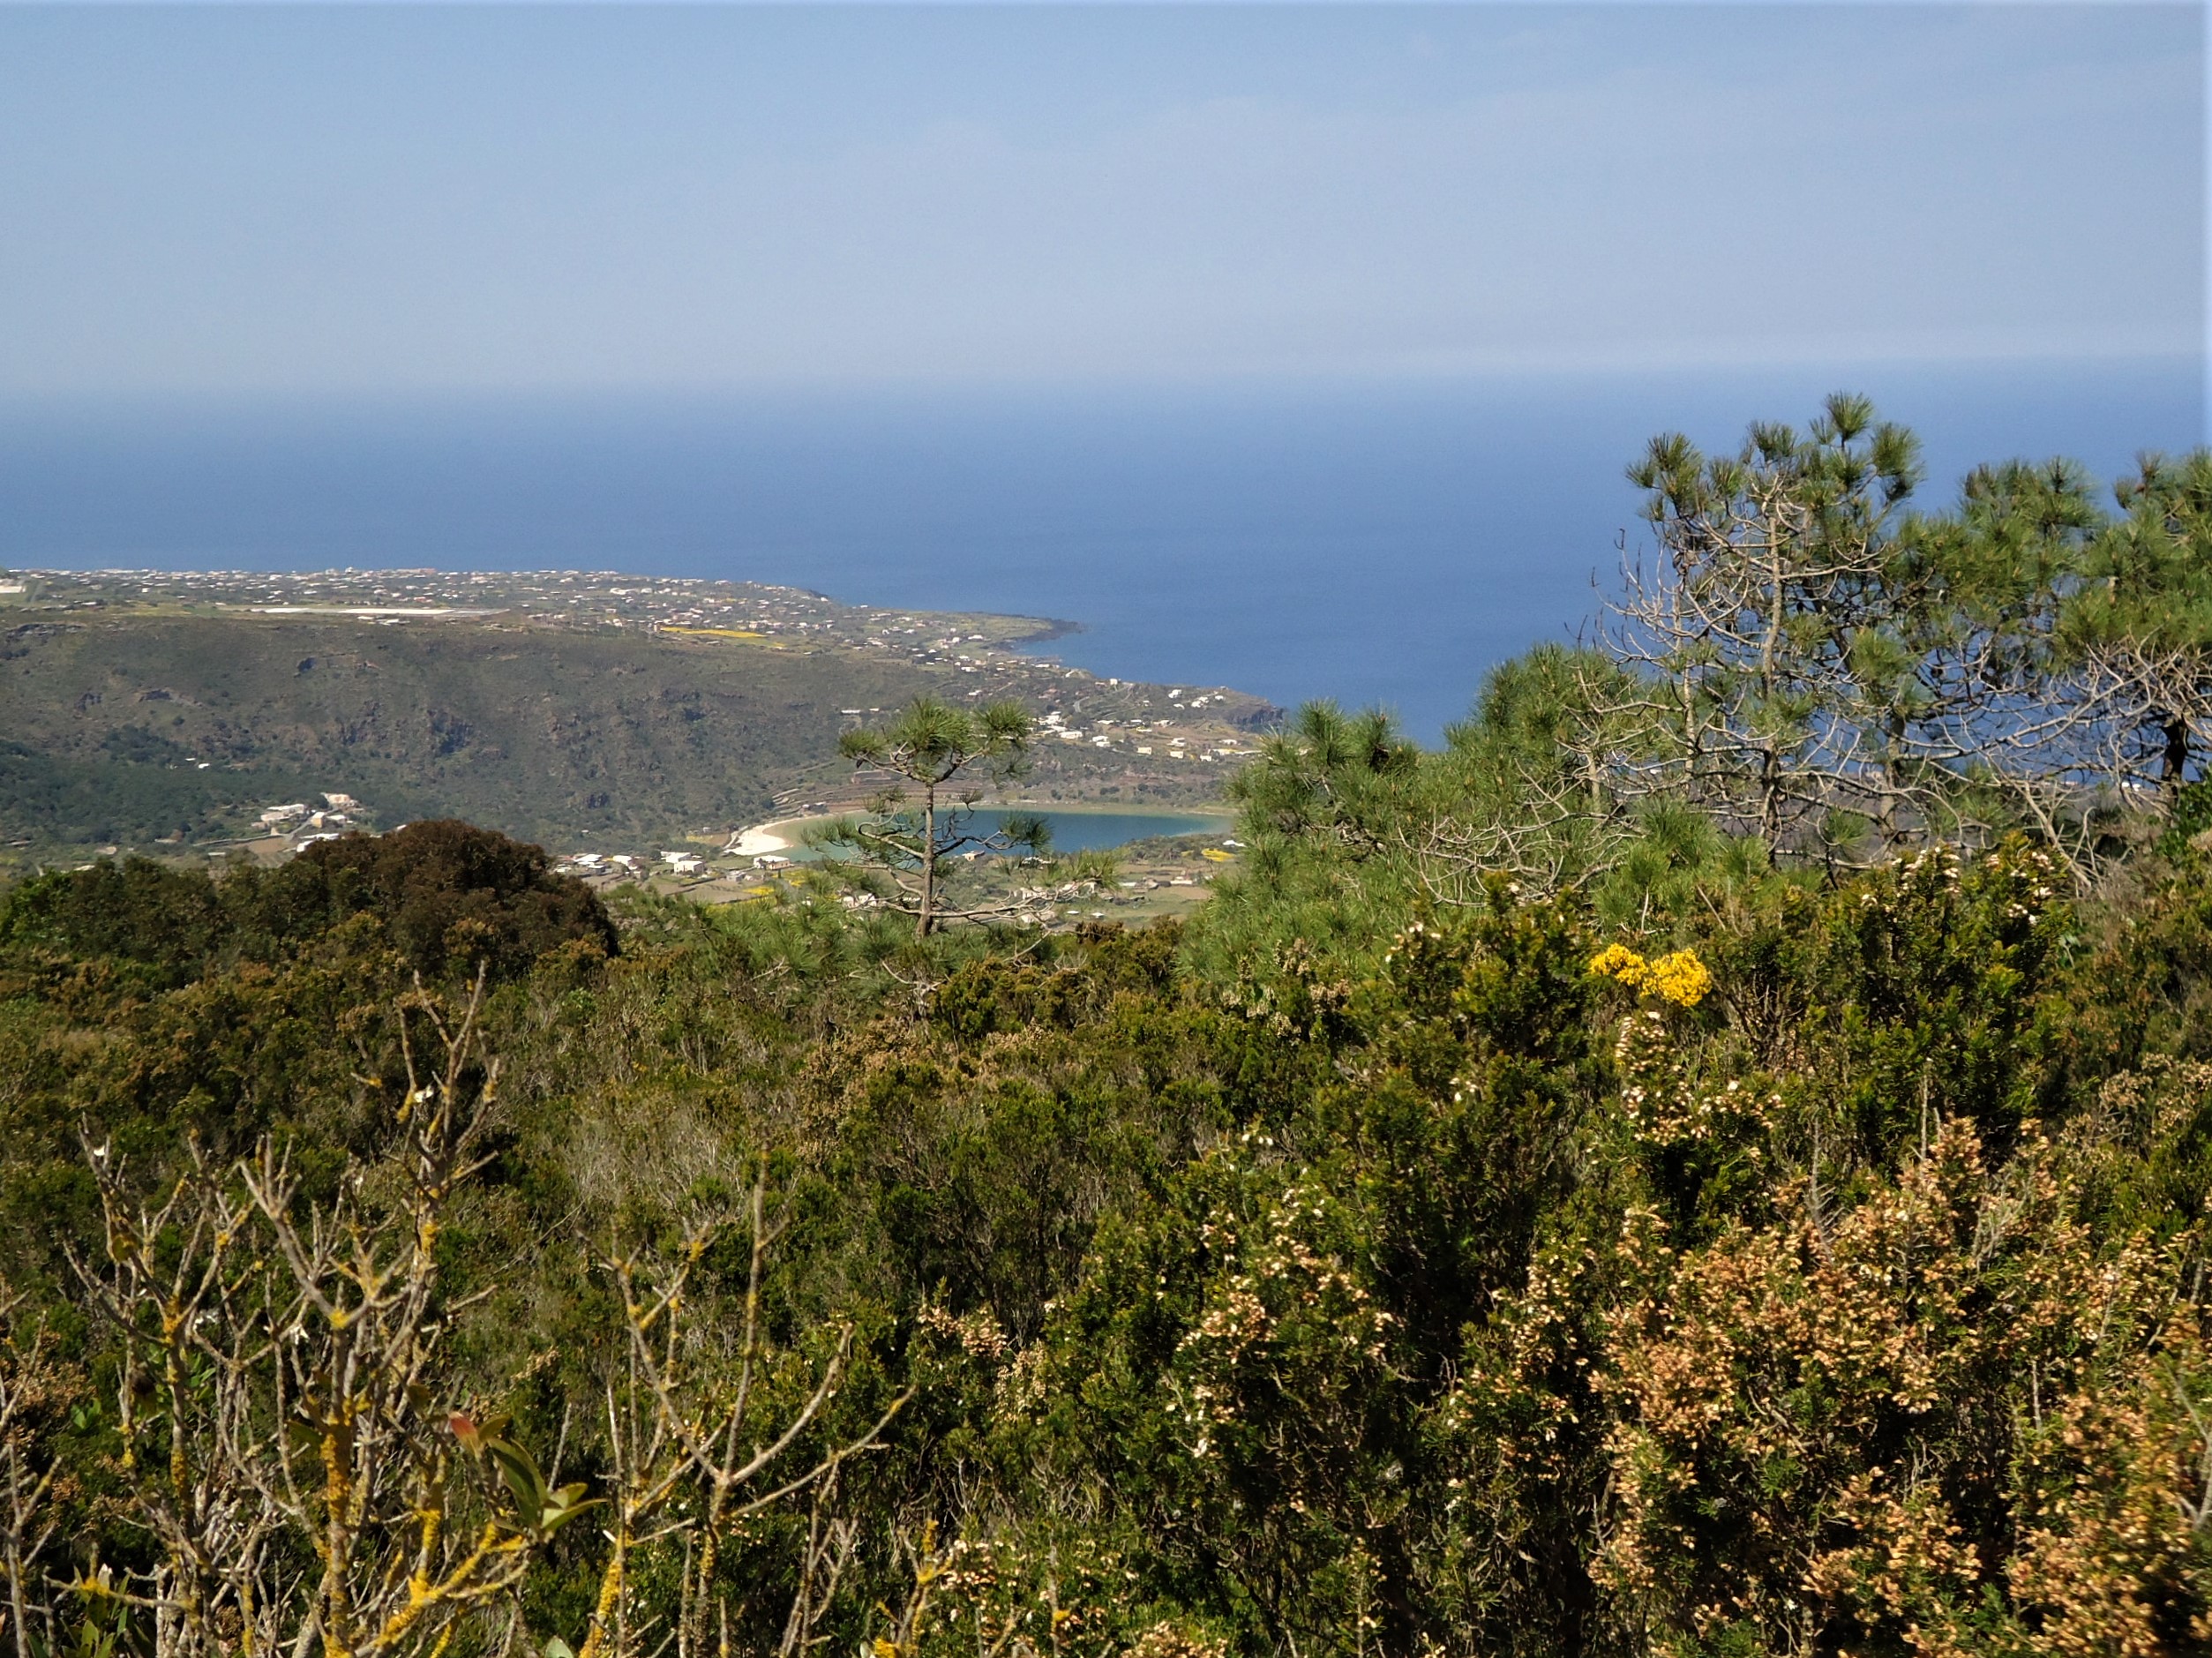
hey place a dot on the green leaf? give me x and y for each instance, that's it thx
(523, 1478)
(564, 1505)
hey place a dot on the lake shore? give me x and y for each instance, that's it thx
(783, 835)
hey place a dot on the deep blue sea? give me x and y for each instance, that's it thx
(1379, 544)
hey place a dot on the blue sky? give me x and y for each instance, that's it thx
(312, 199)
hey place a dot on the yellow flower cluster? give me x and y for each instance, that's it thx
(1680, 977)
(1617, 961)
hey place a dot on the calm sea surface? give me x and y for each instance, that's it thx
(1378, 544)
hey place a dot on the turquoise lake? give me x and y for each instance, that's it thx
(1100, 832)
(1092, 831)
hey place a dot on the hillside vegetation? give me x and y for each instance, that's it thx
(543, 733)
(1746, 1197)
(162, 726)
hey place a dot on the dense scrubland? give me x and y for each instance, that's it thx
(1712, 1160)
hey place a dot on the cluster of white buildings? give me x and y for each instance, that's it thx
(1106, 733)
(684, 865)
(303, 825)
(597, 864)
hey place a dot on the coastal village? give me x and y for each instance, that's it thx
(1100, 742)
(681, 608)
(1094, 724)
(1158, 875)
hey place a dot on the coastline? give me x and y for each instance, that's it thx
(1048, 628)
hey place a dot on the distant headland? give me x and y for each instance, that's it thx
(170, 711)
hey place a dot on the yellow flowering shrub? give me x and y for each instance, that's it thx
(1617, 961)
(1679, 978)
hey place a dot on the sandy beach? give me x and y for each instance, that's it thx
(755, 843)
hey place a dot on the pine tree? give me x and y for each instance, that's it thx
(943, 755)
(1752, 628)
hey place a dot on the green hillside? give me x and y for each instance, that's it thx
(542, 733)
(157, 727)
